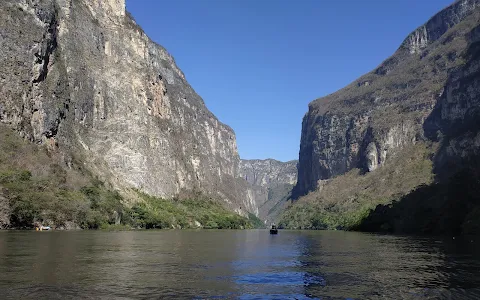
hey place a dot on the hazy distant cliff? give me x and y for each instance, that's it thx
(83, 78)
(270, 184)
(268, 172)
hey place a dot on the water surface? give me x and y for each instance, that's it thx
(231, 264)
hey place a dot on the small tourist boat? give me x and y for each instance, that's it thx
(42, 228)
(273, 230)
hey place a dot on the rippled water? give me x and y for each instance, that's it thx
(235, 265)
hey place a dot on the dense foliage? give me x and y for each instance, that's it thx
(155, 212)
(256, 222)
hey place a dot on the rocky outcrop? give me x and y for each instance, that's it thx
(455, 120)
(438, 25)
(372, 119)
(83, 78)
(269, 184)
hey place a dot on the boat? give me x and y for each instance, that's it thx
(42, 228)
(273, 230)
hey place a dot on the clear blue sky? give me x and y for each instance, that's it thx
(258, 63)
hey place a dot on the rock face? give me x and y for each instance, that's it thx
(269, 184)
(83, 78)
(268, 172)
(369, 121)
(455, 120)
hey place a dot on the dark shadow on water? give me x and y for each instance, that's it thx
(364, 266)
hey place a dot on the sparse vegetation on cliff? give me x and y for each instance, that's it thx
(380, 125)
(451, 206)
(35, 189)
(391, 200)
(345, 201)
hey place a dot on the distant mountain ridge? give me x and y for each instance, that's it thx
(270, 182)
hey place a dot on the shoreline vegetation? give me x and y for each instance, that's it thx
(401, 197)
(343, 202)
(36, 190)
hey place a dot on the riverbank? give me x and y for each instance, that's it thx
(148, 213)
(37, 189)
(404, 196)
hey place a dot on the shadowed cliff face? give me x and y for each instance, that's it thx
(398, 150)
(374, 118)
(455, 120)
(270, 183)
(83, 78)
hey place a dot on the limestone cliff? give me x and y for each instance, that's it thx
(269, 184)
(83, 78)
(368, 122)
(455, 120)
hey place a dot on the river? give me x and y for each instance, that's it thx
(248, 264)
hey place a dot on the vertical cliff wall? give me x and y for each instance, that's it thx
(372, 119)
(82, 77)
(455, 120)
(270, 183)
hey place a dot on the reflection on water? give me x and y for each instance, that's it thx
(235, 264)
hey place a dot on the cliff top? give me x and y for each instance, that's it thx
(410, 78)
